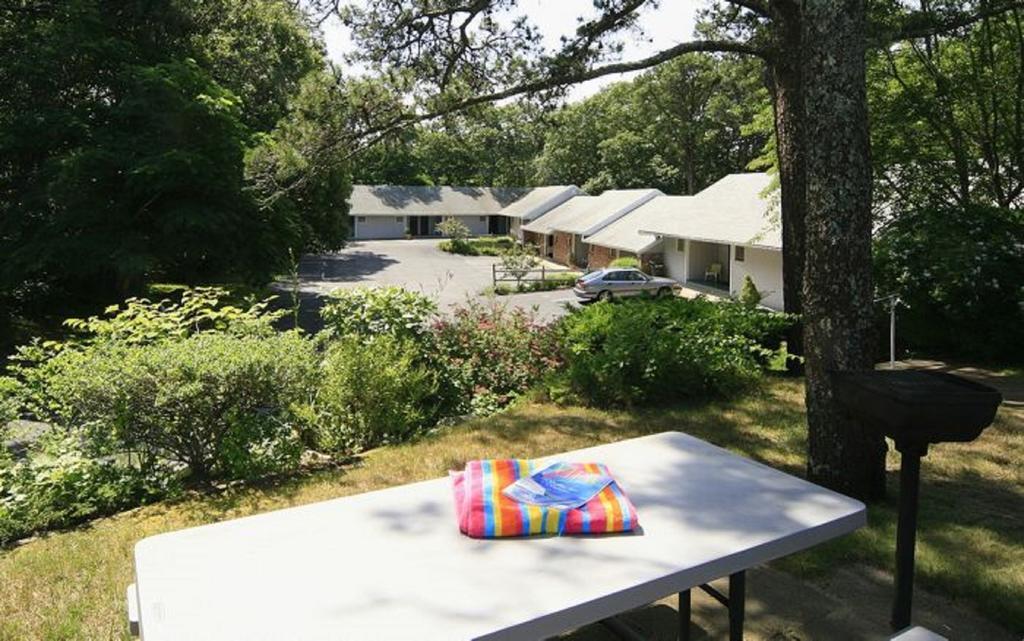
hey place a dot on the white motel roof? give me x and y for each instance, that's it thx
(404, 200)
(624, 234)
(586, 214)
(736, 210)
(539, 201)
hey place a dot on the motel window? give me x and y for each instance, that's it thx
(680, 245)
(740, 254)
(483, 218)
(399, 219)
(361, 219)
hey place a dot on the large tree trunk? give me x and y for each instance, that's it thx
(837, 300)
(787, 95)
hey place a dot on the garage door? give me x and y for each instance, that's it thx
(371, 227)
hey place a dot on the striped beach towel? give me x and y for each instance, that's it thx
(485, 512)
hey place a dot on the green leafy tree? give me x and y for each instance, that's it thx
(259, 49)
(487, 146)
(678, 127)
(158, 190)
(299, 173)
(124, 131)
(517, 262)
(946, 113)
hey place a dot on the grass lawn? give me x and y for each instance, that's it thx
(70, 585)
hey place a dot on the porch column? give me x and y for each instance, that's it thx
(732, 265)
(686, 259)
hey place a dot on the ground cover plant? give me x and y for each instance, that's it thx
(552, 281)
(481, 246)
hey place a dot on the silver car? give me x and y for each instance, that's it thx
(613, 282)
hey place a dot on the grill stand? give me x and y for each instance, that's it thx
(906, 531)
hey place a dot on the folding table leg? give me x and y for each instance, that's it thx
(684, 615)
(737, 604)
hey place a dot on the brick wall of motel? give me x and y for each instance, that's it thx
(562, 248)
(598, 257)
(535, 239)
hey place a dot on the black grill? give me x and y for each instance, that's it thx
(914, 409)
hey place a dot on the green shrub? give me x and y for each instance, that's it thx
(454, 229)
(641, 351)
(373, 392)
(461, 247)
(764, 328)
(370, 311)
(61, 486)
(560, 280)
(625, 261)
(145, 396)
(458, 236)
(492, 245)
(749, 295)
(491, 353)
(219, 405)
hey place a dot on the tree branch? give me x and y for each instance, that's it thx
(922, 24)
(374, 134)
(758, 7)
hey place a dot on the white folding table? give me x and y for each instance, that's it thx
(392, 564)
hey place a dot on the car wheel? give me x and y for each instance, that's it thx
(664, 292)
(605, 295)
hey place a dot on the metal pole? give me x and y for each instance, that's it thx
(684, 615)
(737, 604)
(906, 531)
(892, 334)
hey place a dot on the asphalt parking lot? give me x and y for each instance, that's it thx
(418, 265)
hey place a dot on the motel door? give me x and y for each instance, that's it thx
(423, 225)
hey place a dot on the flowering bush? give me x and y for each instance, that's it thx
(492, 353)
(960, 274)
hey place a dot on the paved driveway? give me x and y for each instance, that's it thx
(417, 265)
